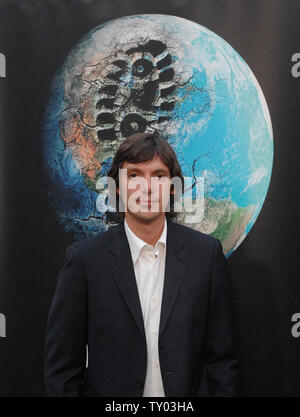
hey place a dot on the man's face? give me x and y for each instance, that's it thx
(147, 185)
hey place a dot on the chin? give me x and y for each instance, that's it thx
(144, 215)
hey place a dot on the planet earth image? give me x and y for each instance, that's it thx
(147, 73)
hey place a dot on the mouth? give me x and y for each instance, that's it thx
(147, 202)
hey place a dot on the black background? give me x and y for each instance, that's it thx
(36, 37)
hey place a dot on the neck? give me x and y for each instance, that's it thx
(148, 231)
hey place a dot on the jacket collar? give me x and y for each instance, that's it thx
(136, 244)
(121, 266)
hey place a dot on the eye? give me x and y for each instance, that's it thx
(159, 177)
(132, 173)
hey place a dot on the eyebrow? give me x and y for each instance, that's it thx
(157, 170)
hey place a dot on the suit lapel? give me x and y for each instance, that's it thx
(176, 264)
(122, 268)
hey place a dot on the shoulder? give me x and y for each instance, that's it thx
(93, 244)
(202, 246)
(199, 242)
(194, 235)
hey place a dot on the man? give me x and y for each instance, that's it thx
(150, 298)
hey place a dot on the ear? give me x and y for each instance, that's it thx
(172, 189)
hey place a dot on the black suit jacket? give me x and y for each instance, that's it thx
(96, 303)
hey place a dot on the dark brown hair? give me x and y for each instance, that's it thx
(142, 147)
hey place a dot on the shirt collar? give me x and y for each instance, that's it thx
(136, 244)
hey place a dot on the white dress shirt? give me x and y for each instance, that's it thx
(149, 267)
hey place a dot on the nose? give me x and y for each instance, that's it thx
(147, 187)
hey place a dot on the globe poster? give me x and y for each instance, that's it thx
(219, 82)
(157, 72)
